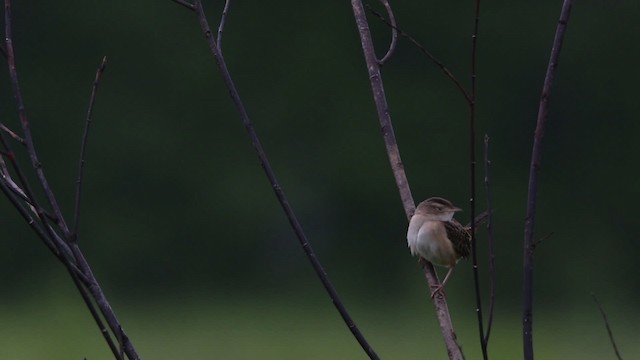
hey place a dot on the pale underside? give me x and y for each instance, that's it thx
(428, 238)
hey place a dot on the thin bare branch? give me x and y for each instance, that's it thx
(186, 4)
(94, 313)
(24, 192)
(268, 170)
(83, 147)
(394, 33)
(92, 285)
(534, 169)
(34, 225)
(48, 236)
(472, 170)
(541, 240)
(6, 176)
(490, 239)
(384, 116)
(606, 324)
(426, 53)
(19, 198)
(13, 135)
(4, 172)
(223, 19)
(24, 122)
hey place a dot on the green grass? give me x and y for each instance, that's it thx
(254, 328)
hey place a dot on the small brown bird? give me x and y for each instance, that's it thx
(436, 236)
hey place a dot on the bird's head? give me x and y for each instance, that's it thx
(437, 208)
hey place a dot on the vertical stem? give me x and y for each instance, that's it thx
(83, 148)
(490, 239)
(472, 162)
(534, 169)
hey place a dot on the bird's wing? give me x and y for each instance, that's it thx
(459, 236)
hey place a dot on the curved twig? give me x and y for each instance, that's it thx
(534, 169)
(426, 53)
(264, 162)
(394, 33)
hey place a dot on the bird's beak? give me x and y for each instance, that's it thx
(455, 209)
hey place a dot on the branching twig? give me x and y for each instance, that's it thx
(534, 169)
(490, 239)
(223, 19)
(62, 245)
(35, 226)
(375, 78)
(426, 53)
(83, 147)
(17, 196)
(394, 33)
(606, 324)
(264, 161)
(6, 176)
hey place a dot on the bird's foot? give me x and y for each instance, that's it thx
(438, 289)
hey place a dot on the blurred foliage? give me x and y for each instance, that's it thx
(273, 327)
(175, 201)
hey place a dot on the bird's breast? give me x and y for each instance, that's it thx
(428, 238)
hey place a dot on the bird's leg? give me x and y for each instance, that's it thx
(440, 288)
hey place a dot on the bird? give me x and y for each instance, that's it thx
(436, 236)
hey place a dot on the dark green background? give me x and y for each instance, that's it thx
(189, 242)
